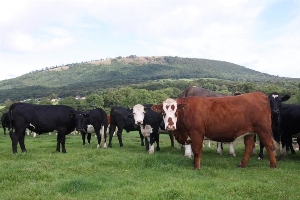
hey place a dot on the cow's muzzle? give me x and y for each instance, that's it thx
(170, 128)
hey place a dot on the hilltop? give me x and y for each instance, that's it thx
(101, 75)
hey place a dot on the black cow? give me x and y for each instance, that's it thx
(92, 122)
(122, 118)
(5, 122)
(275, 103)
(290, 125)
(40, 119)
(145, 116)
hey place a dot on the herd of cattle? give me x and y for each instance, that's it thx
(197, 114)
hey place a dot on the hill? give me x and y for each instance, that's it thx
(101, 75)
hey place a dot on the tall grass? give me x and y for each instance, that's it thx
(130, 172)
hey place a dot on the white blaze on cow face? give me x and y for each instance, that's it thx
(138, 113)
(169, 114)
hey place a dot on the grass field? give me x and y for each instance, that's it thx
(85, 172)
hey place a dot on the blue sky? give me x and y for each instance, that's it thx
(260, 35)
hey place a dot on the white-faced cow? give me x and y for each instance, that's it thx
(5, 122)
(93, 121)
(222, 119)
(275, 103)
(122, 118)
(40, 119)
(202, 92)
(145, 117)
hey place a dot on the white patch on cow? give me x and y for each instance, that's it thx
(33, 134)
(90, 129)
(98, 146)
(188, 151)
(32, 125)
(274, 95)
(138, 113)
(147, 130)
(151, 148)
(104, 145)
(170, 108)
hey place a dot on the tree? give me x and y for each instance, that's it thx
(45, 101)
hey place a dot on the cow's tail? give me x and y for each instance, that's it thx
(10, 117)
(277, 151)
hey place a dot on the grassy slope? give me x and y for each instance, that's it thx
(131, 173)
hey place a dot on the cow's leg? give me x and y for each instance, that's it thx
(98, 138)
(142, 138)
(89, 136)
(172, 139)
(197, 149)
(83, 137)
(58, 143)
(14, 140)
(249, 144)
(219, 148)
(188, 150)
(231, 149)
(157, 141)
(119, 134)
(103, 133)
(63, 141)
(208, 143)
(290, 142)
(153, 138)
(22, 142)
(111, 133)
(261, 150)
(271, 145)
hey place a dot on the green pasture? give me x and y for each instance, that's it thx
(130, 172)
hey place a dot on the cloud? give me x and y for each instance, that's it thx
(235, 31)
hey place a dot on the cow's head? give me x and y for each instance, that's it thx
(169, 109)
(275, 102)
(80, 116)
(139, 112)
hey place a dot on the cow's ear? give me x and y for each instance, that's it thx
(129, 115)
(285, 97)
(86, 115)
(182, 106)
(146, 109)
(130, 110)
(157, 108)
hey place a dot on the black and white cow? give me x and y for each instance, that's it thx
(151, 124)
(276, 104)
(122, 118)
(290, 126)
(5, 122)
(40, 119)
(93, 121)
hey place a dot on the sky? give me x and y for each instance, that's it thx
(260, 35)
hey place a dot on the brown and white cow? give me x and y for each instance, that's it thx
(235, 116)
(202, 92)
